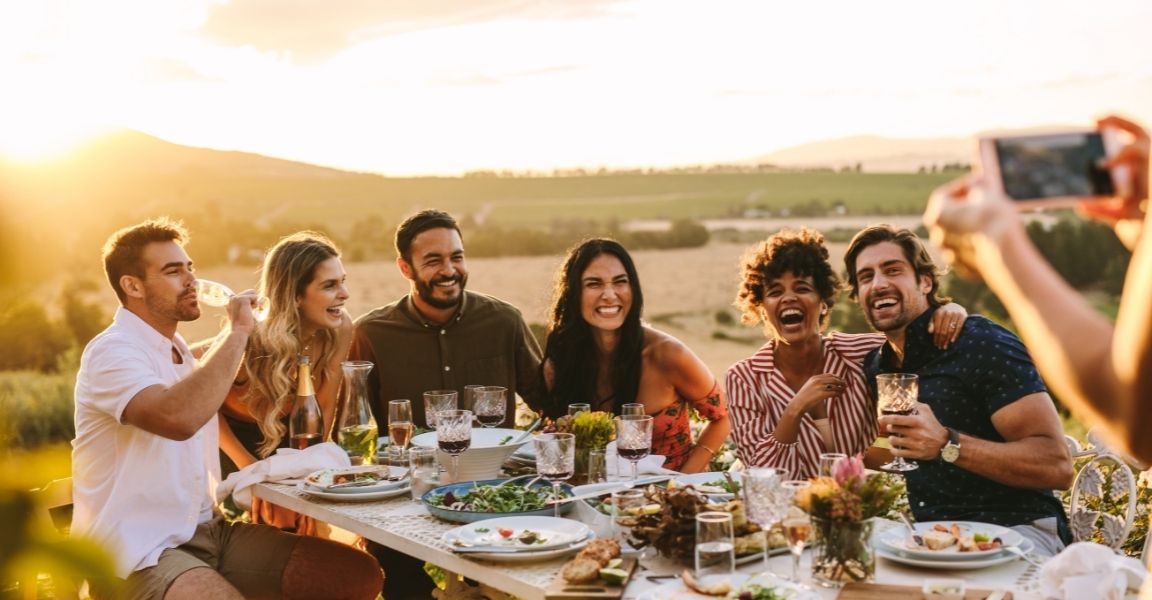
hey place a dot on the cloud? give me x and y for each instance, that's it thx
(312, 31)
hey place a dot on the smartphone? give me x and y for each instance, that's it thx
(1052, 169)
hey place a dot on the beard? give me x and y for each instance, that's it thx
(176, 310)
(427, 291)
(891, 322)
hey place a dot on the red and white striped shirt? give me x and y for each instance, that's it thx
(757, 396)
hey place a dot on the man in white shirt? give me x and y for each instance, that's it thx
(145, 460)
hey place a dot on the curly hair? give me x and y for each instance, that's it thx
(270, 359)
(801, 253)
(570, 346)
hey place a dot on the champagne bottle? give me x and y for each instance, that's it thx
(305, 421)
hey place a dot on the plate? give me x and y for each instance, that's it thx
(526, 557)
(553, 532)
(955, 565)
(897, 539)
(366, 497)
(465, 516)
(676, 590)
(391, 484)
(701, 479)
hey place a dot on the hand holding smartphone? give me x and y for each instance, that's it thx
(1049, 170)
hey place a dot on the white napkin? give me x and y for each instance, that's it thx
(649, 465)
(1087, 570)
(287, 463)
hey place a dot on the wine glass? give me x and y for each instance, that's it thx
(828, 462)
(797, 525)
(578, 407)
(633, 438)
(400, 423)
(469, 401)
(764, 500)
(214, 293)
(489, 405)
(555, 460)
(454, 435)
(435, 402)
(896, 395)
(632, 408)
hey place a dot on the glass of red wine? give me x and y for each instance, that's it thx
(555, 460)
(633, 438)
(489, 403)
(454, 435)
(897, 394)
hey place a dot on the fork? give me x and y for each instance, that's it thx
(1024, 555)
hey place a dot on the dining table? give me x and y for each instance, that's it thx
(404, 524)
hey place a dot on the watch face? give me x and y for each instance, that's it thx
(950, 453)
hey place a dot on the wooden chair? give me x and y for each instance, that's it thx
(49, 499)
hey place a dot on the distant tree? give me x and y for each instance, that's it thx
(29, 339)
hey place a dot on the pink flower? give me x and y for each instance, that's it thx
(848, 469)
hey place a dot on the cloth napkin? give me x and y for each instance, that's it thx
(286, 464)
(1087, 570)
(649, 465)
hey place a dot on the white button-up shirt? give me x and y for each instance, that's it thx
(135, 492)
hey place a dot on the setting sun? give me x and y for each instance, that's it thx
(37, 140)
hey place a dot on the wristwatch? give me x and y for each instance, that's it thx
(951, 451)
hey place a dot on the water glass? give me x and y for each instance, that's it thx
(828, 462)
(897, 394)
(425, 471)
(626, 508)
(597, 465)
(578, 407)
(632, 408)
(715, 550)
(437, 401)
(489, 403)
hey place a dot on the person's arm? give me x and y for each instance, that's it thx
(753, 422)
(809, 399)
(691, 379)
(326, 393)
(178, 411)
(232, 447)
(1033, 454)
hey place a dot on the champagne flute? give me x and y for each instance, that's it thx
(764, 500)
(490, 405)
(400, 423)
(797, 525)
(896, 395)
(633, 438)
(436, 401)
(454, 435)
(214, 293)
(555, 461)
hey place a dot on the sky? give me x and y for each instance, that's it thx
(450, 86)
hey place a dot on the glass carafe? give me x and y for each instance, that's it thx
(356, 432)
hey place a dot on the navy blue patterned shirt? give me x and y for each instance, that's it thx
(986, 369)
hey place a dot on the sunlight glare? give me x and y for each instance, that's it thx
(36, 140)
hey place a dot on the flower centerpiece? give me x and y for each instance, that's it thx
(842, 508)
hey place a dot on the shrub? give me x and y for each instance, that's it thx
(38, 408)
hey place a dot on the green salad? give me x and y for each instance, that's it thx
(495, 499)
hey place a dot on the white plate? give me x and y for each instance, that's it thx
(955, 565)
(367, 497)
(393, 474)
(676, 590)
(555, 532)
(897, 539)
(699, 479)
(525, 557)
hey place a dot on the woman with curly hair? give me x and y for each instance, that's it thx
(802, 393)
(599, 352)
(304, 281)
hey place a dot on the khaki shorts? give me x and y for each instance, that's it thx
(250, 557)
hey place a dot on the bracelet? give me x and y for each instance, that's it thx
(711, 452)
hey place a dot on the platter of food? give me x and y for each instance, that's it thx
(1000, 557)
(717, 485)
(951, 540)
(357, 480)
(471, 501)
(737, 585)
(597, 571)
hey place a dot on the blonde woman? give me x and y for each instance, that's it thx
(303, 279)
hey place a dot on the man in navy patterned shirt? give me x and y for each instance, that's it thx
(985, 434)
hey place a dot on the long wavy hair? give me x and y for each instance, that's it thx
(275, 344)
(570, 345)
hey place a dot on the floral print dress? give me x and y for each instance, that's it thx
(672, 431)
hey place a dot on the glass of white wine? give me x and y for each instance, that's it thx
(214, 293)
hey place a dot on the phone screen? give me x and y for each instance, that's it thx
(1049, 166)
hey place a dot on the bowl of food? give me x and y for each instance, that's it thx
(471, 501)
(488, 450)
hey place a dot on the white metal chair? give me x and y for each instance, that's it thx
(1105, 478)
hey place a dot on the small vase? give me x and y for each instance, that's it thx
(842, 552)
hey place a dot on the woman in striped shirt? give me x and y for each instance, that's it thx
(803, 393)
